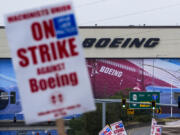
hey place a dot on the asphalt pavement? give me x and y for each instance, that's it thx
(171, 131)
(171, 128)
(139, 131)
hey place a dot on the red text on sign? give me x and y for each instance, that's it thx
(28, 15)
(60, 9)
(70, 79)
(51, 68)
(41, 30)
(59, 110)
(47, 52)
(56, 98)
(38, 13)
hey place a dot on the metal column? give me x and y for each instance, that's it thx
(171, 102)
(103, 114)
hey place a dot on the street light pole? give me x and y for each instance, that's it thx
(103, 114)
(153, 112)
(171, 101)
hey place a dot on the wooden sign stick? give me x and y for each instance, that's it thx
(60, 127)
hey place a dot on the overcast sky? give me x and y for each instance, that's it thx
(109, 12)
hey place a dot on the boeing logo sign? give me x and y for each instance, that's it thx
(120, 42)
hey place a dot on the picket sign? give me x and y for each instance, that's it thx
(153, 124)
(49, 63)
(158, 130)
(155, 129)
(106, 131)
(118, 128)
